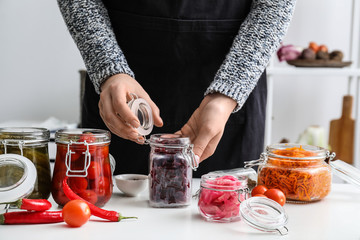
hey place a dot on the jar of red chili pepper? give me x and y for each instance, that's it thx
(300, 171)
(83, 156)
(31, 143)
(171, 163)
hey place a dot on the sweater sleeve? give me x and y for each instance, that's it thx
(258, 38)
(89, 25)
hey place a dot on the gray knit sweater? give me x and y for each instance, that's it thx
(258, 38)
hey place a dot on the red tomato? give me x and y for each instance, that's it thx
(89, 195)
(76, 213)
(259, 195)
(276, 195)
(107, 170)
(101, 186)
(89, 138)
(56, 183)
(93, 170)
(259, 189)
(77, 184)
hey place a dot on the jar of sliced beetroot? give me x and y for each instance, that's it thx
(300, 171)
(171, 164)
(220, 197)
(83, 156)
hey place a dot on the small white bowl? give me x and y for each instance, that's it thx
(131, 184)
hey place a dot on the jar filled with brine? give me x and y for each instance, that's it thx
(300, 171)
(171, 160)
(83, 156)
(220, 196)
(171, 163)
(31, 143)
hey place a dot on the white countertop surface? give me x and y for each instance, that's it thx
(335, 217)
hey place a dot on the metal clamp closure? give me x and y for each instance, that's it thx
(190, 156)
(20, 144)
(73, 172)
(263, 159)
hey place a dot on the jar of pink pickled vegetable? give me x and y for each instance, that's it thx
(224, 197)
(220, 197)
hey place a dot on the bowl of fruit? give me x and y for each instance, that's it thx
(314, 55)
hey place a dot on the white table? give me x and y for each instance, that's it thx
(335, 217)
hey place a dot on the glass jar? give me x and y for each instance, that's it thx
(17, 177)
(31, 143)
(300, 171)
(220, 197)
(83, 156)
(171, 164)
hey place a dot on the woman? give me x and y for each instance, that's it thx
(202, 63)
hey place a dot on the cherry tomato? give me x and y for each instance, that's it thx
(101, 186)
(259, 195)
(76, 213)
(89, 138)
(76, 152)
(103, 151)
(259, 189)
(276, 195)
(89, 195)
(107, 170)
(77, 184)
(56, 183)
(93, 170)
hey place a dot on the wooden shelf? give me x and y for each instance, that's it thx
(297, 71)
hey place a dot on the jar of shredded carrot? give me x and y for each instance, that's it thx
(300, 171)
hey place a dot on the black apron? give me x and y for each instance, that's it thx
(175, 49)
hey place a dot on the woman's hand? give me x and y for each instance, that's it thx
(206, 125)
(116, 114)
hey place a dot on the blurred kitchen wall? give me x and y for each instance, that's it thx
(39, 63)
(39, 66)
(312, 100)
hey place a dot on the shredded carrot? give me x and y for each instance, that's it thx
(300, 179)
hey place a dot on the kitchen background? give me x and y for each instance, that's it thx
(39, 67)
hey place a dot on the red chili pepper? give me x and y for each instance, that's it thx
(26, 217)
(96, 211)
(33, 204)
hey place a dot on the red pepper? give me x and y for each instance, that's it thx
(33, 204)
(26, 217)
(96, 211)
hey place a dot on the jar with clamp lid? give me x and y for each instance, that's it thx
(171, 161)
(300, 171)
(220, 196)
(83, 156)
(31, 143)
(224, 197)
